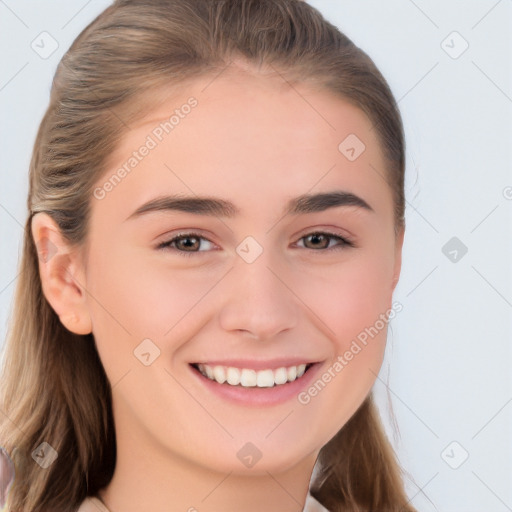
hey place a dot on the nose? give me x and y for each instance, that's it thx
(258, 300)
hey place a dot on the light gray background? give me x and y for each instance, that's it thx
(448, 362)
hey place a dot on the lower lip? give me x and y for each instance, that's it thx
(255, 396)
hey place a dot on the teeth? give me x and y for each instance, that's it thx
(280, 376)
(233, 376)
(248, 378)
(219, 374)
(265, 379)
(252, 378)
(209, 372)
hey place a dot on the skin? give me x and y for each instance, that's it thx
(257, 142)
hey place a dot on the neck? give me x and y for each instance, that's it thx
(158, 480)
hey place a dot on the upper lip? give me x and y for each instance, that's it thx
(252, 364)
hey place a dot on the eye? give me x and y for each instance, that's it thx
(186, 243)
(323, 240)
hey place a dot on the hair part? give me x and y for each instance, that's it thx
(53, 386)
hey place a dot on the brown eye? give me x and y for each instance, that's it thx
(317, 241)
(186, 243)
(320, 240)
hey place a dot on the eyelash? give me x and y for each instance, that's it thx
(344, 242)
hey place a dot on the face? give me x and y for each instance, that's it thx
(256, 287)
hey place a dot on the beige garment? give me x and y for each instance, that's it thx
(92, 504)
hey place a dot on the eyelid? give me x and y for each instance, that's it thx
(184, 233)
(333, 231)
(343, 240)
(171, 235)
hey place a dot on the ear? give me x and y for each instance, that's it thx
(399, 242)
(62, 275)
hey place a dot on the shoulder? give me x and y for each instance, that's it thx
(92, 504)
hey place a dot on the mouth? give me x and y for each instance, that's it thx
(250, 378)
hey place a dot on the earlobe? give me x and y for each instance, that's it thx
(61, 275)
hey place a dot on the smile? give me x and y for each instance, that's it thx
(249, 378)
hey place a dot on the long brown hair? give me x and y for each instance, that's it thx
(54, 389)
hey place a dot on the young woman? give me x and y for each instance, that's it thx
(216, 219)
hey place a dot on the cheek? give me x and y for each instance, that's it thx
(137, 297)
(354, 300)
(352, 296)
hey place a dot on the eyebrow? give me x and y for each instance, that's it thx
(307, 203)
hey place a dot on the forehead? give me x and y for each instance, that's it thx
(250, 135)
(264, 103)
